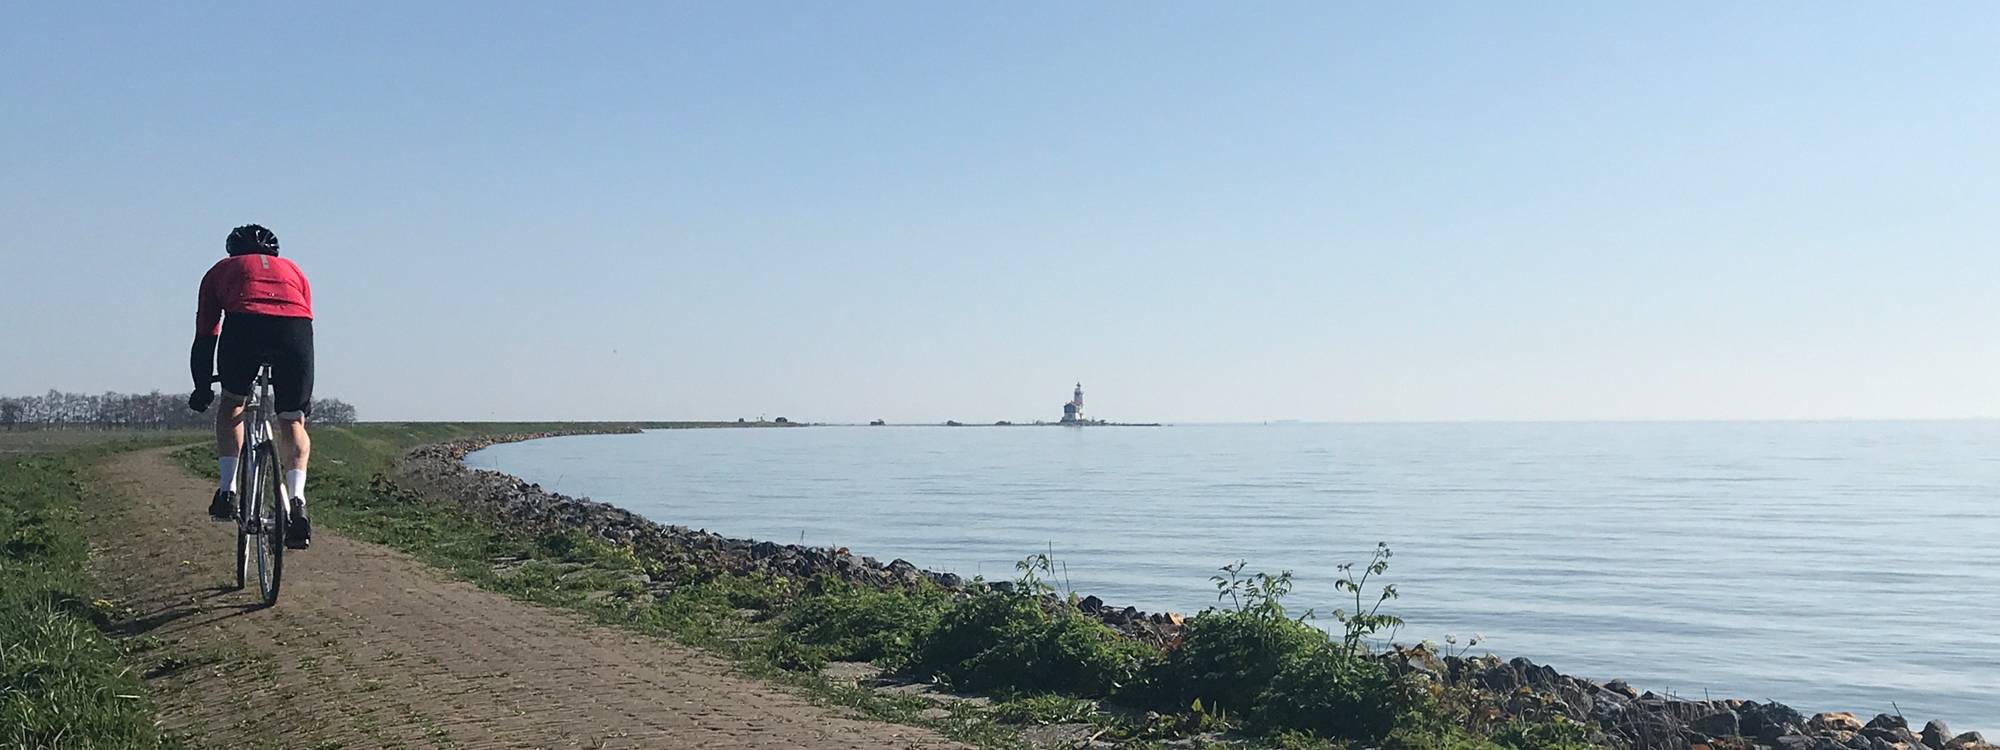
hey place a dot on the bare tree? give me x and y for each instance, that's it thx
(10, 411)
(110, 410)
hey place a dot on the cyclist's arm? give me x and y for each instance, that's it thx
(201, 359)
(207, 326)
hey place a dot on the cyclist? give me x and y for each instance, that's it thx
(268, 307)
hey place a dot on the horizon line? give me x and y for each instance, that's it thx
(1230, 423)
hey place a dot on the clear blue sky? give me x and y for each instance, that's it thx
(921, 211)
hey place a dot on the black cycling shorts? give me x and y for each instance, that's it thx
(286, 344)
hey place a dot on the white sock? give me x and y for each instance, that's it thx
(295, 480)
(228, 466)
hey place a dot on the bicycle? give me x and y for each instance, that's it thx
(262, 499)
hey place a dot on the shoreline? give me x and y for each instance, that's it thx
(1626, 717)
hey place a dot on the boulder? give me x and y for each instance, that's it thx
(1834, 721)
(903, 570)
(1936, 734)
(1893, 735)
(1422, 661)
(1887, 721)
(1537, 676)
(1718, 724)
(1967, 740)
(1769, 721)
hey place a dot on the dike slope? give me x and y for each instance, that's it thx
(1627, 717)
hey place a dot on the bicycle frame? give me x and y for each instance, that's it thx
(257, 426)
(252, 526)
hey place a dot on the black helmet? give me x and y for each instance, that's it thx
(252, 238)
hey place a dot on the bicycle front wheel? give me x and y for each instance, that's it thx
(268, 502)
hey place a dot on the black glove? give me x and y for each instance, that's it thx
(200, 399)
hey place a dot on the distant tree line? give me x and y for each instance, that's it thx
(149, 411)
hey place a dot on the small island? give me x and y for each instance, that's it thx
(1072, 416)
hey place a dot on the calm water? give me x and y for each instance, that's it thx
(1833, 566)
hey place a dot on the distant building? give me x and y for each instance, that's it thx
(1073, 411)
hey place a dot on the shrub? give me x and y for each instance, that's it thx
(1557, 733)
(1280, 674)
(835, 620)
(1330, 693)
(1010, 642)
(1228, 659)
(1289, 679)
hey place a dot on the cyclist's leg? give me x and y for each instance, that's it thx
(295, 450)
(228, 439)
(292, 384)
(236, 361)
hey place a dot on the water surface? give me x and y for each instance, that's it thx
(1832, 566)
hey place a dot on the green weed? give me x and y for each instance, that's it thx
(1049, 708)
(838, 621)
(1018, 640)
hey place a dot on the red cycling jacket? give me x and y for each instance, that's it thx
(251, 283)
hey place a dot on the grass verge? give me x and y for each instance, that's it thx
(63, 681)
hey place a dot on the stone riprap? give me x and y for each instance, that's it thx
(439, 472)
(1649, 721)
(1518, 687)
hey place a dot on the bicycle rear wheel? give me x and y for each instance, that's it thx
(268, 501)
(243, 518)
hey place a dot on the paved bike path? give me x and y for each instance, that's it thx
(369, 647)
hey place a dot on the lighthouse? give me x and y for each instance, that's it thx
(1073, 411)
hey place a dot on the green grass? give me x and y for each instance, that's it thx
(63, 681)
